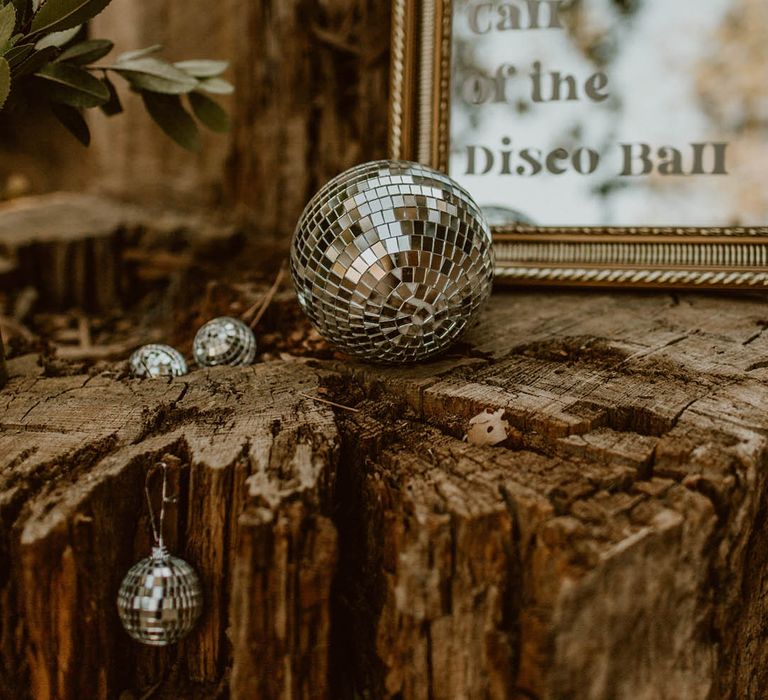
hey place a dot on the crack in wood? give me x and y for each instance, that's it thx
(330, 544)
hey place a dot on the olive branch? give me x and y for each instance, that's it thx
(44, 52)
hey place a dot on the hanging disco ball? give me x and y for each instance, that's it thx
(160, 599)
(391, 261)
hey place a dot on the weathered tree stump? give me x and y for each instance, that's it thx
(613, 546)
(68, 246)
(95, 253)
(254, 468)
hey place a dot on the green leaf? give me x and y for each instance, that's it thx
(74, 122)
(202, 68)
(34, 62)
(58, 38)
(73, 86)
(209, 112)
(5, 48)
(173, 119)
(113, 105)
(19, 53)
(139, 53)
(154, 75)
(5, 81)
(216, 86)
(57, 15)
(86, 52)
(7, 24)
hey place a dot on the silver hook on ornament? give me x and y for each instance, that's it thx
(157, 525)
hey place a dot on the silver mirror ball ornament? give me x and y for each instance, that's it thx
(160, 599)
(224, 341)
(157, 360)
(391, 261)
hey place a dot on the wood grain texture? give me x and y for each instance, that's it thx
(603, 551)
(74, 519)
(612, 547)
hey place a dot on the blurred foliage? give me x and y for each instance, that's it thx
(43, 54)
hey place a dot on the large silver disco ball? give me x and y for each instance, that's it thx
(391, 261)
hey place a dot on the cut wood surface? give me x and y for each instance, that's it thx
(254, 465)
(68, 246)
(614, 546)
(93, 252)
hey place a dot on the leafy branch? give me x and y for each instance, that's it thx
(42, 52)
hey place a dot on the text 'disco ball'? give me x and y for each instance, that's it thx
(391, 261)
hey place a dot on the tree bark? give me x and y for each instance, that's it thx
(612, 546)
(75, 521)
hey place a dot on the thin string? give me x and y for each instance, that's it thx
(157, 529)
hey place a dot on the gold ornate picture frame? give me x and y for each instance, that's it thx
(652, 257)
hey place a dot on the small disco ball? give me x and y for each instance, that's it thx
(156, 360)
(160, 599)
(391, 261)
(224, 341)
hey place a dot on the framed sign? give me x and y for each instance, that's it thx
(609, 141)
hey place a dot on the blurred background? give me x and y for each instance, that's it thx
(165, 237)
(311, 91)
